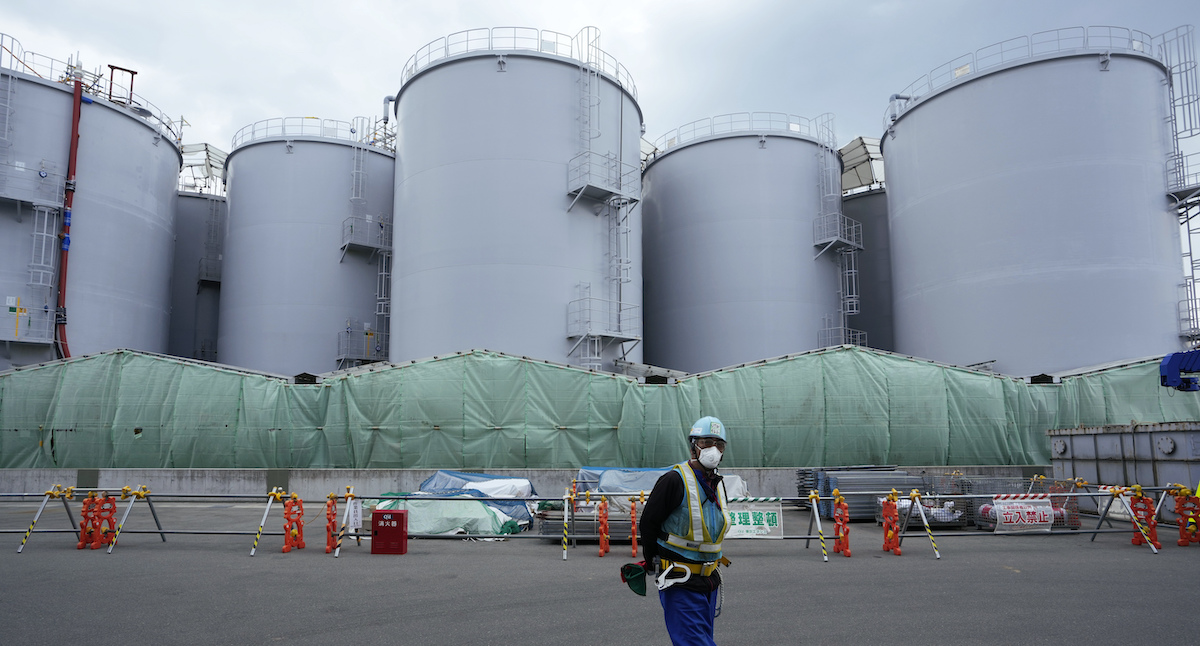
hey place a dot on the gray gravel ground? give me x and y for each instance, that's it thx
(208, 590)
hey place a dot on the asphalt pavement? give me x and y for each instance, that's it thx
(207, 589)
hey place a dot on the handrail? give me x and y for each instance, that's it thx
(14, 57)
(820, 127)
(583, 47)
(1094, 38)
(310, 127)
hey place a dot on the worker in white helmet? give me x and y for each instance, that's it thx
(681, 527)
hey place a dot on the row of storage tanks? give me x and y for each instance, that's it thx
(506, 202)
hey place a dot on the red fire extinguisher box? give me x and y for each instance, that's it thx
(389, 531)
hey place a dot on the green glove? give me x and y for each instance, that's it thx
(634, 575)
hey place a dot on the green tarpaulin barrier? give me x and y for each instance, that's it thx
(487, 410)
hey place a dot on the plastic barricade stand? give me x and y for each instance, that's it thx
(330, 522)
(891, 524)
(1142, 509)
(104, 509)
(1188, 508)
(841, 524)
(88, 525)
(604, 546)
(293, 526)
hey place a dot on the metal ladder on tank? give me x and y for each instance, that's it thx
(358, 173)
(43, 262)
(1183, 121)
(8, 90)
(383, 302)
(832, 230)
(210, 263)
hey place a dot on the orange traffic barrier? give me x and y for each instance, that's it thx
(841, 524)
(104, 510)
(1143, 518)
(330, 523)
(891, 524)
(88, 525)
(1188, 507)
(293, 528)
(604, 546)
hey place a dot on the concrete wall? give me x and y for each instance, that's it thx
(315, 484)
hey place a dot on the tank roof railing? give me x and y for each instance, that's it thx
(1095, 38)
(14, 57)
(377, 136)
(583, 48)
(819, 128)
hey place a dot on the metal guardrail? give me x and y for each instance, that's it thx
(582, 48)
(836, 226)
(1096, 38)
(1184, 172)
(367, 231)
(210, 270)
(32, 326)
(362, 345)
(377, 137)
(819, 128)
(14, 57)
(605, 172)
(600, 317)
(835, 336)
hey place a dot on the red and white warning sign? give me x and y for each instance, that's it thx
(1020, 513)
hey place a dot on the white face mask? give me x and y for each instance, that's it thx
(710, 457)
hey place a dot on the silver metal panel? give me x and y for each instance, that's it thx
(286, 289)
(123, 222)
(486, 253)
(728, 239)
(194, 302)
(1027, 217)
(874, 267)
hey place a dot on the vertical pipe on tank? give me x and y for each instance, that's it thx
(64, 350)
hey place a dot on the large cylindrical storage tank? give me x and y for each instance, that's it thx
(874, 317)
(732, 274)
(122, 223)
(1026, 198)
(196, 278)
(309, 216)
(517, 224)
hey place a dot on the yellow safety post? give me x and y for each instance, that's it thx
(345, 520)
(813, 500)
(275, 494)
(568, 500)
(54, 492)
(133, 496)
(915, 496)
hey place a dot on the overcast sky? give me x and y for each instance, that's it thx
(226, 64)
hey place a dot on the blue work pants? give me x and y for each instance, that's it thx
(689, 615)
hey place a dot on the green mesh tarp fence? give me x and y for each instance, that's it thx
(484, 410)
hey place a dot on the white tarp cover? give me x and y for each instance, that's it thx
(448, 482)
(467, 516)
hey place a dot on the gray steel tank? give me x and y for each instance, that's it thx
(196, 277)
(122, 229)
(732, 274)
(517, 225)
(309, 222)
(1026, 201)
